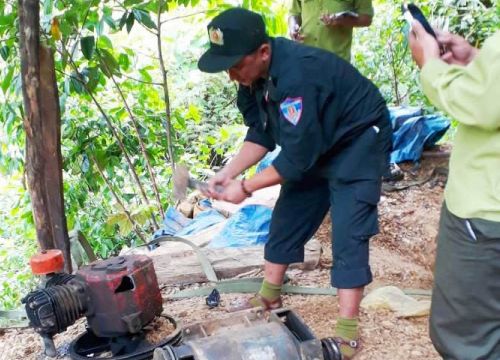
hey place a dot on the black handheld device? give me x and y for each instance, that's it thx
(412, 11)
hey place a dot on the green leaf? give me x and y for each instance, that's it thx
(93, 76)
(47, 7)
(123, 20)
(87, 44)
(116, 219)
(108, 63)
(224, 134)
(103, 42)
(129, 3)
(130, 21)
(4, 52)
(7, 19)
(125, 227)
(144, 18)
(124, 61)
(211, 140)
(194, 113)
(7, 80)
(109, 20)
(181, 121)
(145, 75)
(141, 214)
(68, 23)
(76, 85)
(99, 27)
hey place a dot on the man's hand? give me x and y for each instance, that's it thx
(219, 179)
(331, 20)
(422, 44)
(458, 50)
(294, 29)
(361, 20)
(233, 192)
(295, 34)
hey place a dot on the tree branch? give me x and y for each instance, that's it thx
(7, 39)
(142, 81)
(113, 131)
(394, 73)
(137, 229)
(143, 149)
(168, 119)
(145, 27)
(184, 16)
(80, 30)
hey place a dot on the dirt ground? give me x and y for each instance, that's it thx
(401, 255)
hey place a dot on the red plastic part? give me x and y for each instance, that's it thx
(47, 261)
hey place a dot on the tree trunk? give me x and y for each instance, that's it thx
(42, 123)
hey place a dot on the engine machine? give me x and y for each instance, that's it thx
(118, 296)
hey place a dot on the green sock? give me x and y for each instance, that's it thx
(347, 329)
(270, 291)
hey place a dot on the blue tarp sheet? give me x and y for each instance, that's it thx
(413, 132)
(177, 224)
(248, 226)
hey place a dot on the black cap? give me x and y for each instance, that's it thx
(233, 34)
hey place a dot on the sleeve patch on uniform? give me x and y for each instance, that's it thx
(291, 108)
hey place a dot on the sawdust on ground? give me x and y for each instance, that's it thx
(401, 255)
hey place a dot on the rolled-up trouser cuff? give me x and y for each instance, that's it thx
(283, 258)
(350, 279)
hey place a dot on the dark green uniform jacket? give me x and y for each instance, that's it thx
(312, 104)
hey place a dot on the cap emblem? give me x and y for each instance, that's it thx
(216, 36)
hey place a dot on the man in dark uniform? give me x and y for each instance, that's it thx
(333, 128)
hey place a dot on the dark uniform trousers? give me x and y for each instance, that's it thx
(465, 308)
(348, 180)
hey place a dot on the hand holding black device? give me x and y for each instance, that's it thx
(412, 11)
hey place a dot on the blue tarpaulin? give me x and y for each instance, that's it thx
(177, 224)
(248, 226)
(413, 132)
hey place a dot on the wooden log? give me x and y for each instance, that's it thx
(183, 267)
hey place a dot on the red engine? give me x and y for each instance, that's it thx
(119, 296)
(123, 293)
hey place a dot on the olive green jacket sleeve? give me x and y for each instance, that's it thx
(470, 94)
(363, 7)
(295, 8)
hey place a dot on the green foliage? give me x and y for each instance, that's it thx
(381, 54)
(381, 50)
(16, 232)
(93, 50)
(88, 46)
(471, 19)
